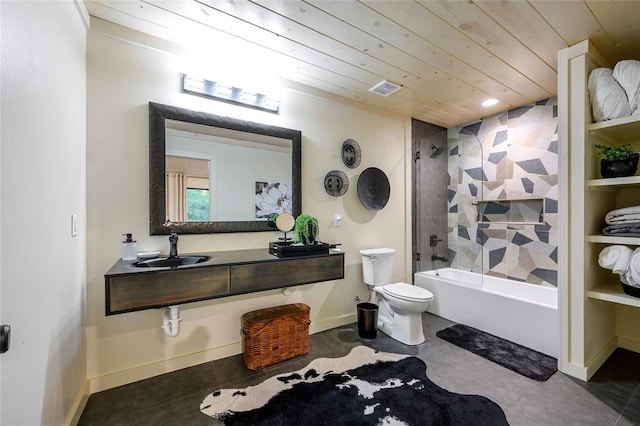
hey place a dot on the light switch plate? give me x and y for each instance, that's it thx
(74, 225)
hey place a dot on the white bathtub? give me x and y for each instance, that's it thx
(523, 313)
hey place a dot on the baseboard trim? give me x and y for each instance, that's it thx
(79, 403)
(598, 359)
(585, 372)
(134, 374)
(130, 375)
(629, 344)
(329, 323)
(574, 370)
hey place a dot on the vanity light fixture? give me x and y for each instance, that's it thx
(489, 102)
(236, 95)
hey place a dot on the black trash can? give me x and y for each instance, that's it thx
(367, 320)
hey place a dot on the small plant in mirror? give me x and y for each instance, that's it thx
(306, 229)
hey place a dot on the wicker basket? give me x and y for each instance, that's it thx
(272, 335)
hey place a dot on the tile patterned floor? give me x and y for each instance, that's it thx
(611, 397)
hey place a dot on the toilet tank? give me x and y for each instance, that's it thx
(377, 265)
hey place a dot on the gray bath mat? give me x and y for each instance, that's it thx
(522, 360)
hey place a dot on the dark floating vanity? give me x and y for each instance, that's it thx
(226, 273)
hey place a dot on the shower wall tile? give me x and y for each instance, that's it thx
(532, 256)
(468, 250)
(494, 249)
(511, 155)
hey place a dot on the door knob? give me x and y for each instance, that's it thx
(5, 335)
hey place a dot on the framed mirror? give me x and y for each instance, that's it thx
(215, 174)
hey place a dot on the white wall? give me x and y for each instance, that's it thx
(42, 179)
(122, 78)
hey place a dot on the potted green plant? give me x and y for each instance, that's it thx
(306, 229)
(618, 161)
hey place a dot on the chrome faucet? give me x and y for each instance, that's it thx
(440, 258)
(173, 249)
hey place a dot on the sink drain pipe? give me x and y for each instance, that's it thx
(171, 320)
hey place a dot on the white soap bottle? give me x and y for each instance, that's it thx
(129, 248)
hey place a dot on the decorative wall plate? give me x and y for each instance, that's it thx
(351, 153)
(373, 189)
(336, 183)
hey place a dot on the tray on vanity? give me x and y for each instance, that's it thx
(291, 249)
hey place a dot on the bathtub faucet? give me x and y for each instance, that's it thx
(440, 258)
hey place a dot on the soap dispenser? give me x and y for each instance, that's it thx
(129, 248)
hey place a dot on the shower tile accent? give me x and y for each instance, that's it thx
(528, 211)
(507, 157)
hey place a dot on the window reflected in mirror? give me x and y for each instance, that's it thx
(188, 189)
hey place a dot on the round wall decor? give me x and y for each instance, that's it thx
(336, 183)
(373, 189)
(351, 153)
(285, 222)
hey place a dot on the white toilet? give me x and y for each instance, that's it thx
(400, 305)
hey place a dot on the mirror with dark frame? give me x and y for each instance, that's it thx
(215, 174)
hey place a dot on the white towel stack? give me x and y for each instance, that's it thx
(622, 261)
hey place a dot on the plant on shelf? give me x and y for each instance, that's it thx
(306, 229)
(618, 161)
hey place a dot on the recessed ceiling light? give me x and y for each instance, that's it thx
(489, 102)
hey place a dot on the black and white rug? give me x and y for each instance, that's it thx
(366, 387)
(518, 358)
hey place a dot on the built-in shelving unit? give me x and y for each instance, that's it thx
(612, 292)
(614, 132)
(607, 239)
(614, 183)
(595, 312)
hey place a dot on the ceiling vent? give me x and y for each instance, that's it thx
(385, 88)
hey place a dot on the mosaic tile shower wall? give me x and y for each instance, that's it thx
(503, 195)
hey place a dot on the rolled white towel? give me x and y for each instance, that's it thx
(608, 98)
(633, 274)
(616, 258)
(627, 74)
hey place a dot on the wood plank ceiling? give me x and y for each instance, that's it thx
(449, 56)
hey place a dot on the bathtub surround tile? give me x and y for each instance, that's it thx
(511, 155)
(532, 256)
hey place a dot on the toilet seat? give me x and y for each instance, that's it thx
(407, 292)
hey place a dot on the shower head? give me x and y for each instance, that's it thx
(435, 151)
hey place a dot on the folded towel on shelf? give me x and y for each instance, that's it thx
(616, 258)
(632, 277)
(626, 214)
(623, 229)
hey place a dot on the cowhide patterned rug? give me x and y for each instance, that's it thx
(366, 387)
